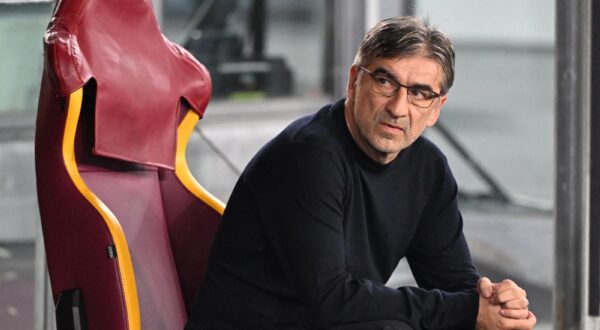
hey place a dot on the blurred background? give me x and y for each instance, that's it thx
(273, 61)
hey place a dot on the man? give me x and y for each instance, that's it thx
(324, 212)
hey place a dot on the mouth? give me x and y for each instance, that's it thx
(395, 129)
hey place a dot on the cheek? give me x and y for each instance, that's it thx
(418, 126)
(366, 115)
(368, 110)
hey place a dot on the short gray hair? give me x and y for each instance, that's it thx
(407, 36)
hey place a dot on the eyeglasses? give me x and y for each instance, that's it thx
(383, 85)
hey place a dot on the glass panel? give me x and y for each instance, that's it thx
(501, 104)
(21, 30)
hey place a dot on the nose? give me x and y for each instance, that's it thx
(398, 104)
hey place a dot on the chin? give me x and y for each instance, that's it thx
(388, 148)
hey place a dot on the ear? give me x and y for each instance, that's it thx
(433, 117)
(352, 82)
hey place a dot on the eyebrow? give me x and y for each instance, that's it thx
(393, 77)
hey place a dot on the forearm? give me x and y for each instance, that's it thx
(353, 300)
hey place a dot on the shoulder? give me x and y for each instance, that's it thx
(307, 143)
(323, 130)
(319, 133)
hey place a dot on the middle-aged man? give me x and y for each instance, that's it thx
(324, 212)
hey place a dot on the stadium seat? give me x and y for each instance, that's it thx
(127, 229)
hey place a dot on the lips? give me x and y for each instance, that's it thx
(392, 127)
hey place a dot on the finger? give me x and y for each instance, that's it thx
(484, 286)
(518, 324)
(531, 321)
(506, 285)
(520, 303)
(517, 314)
(532, 317)
(508, 294)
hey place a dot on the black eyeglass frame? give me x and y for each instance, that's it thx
(399, 86)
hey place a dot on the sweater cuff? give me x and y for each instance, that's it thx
(461, 309)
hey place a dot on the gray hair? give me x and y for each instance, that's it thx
(407, 36)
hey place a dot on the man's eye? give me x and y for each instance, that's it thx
(420, 94)
(384, 82)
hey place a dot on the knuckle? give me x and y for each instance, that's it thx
(520, 305)
(509, 282)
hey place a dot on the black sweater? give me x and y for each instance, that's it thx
(314, 228)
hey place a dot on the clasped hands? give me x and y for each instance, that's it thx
(503, 305)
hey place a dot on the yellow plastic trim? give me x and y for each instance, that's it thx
(182, 171)
(123, 257)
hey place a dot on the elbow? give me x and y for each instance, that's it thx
(333, 305)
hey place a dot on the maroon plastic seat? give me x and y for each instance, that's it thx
(126, 227)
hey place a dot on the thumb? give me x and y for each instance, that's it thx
(484, 287)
